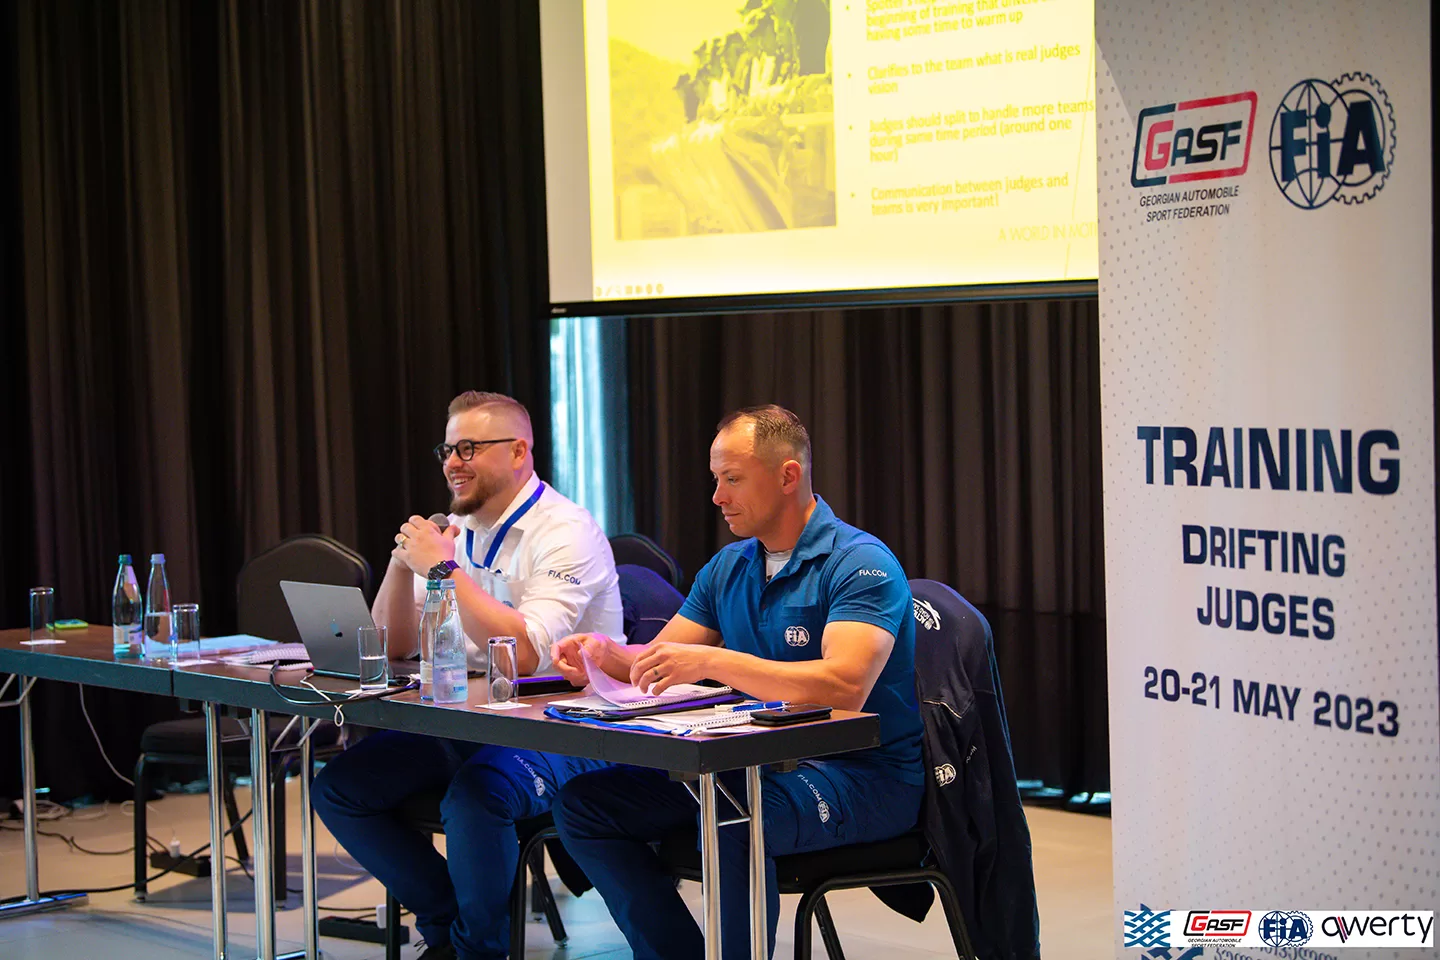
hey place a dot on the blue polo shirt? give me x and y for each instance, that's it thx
(835, 572)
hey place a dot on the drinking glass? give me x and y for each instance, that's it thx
(504, 670)
(42, 614)
(374, 657)
(187, 631)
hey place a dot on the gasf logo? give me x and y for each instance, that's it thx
(1332, 140)
(797, 636)
(1217, 924)
(1203, 139)
(945, 774)
(1286, 928)
(925, 615)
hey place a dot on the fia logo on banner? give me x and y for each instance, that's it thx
(1332, 140)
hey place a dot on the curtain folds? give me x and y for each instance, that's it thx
(965, 436)
(260, 245)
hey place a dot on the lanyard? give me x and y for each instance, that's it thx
(500, 534)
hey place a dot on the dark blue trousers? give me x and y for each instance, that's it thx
(608, 818)
(465, 901)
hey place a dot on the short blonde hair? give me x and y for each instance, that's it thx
(779, 434)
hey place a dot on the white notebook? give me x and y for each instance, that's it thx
(616, 693)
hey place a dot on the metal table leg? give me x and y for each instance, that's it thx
(311, 918)
(710, 865)
(263, 838)
(33, 902)
(215, 766)
(759, 925)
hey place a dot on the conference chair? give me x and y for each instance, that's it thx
(641, 551)
(262, 612)
(648, 602)
(904, 872)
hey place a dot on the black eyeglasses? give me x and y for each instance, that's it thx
(466, 448)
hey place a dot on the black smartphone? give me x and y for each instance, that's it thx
(791, 713)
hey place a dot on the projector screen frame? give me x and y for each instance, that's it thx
(826, 299)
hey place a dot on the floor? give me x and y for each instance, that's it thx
(1072, 866)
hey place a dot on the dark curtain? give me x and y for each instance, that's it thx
(251, 250)
(966, 436)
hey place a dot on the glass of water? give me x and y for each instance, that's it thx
(374, 657)
(42, 614)
(187, 631)
(504, 670)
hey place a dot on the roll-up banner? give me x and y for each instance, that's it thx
(1268, 402)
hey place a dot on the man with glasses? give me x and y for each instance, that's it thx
(527, 563)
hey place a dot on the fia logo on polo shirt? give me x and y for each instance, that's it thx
(797, 636)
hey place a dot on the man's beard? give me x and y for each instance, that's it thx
(485, 488)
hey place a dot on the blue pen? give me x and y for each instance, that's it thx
(769, 705)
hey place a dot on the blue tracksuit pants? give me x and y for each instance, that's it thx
(608, 818)
(465, 900)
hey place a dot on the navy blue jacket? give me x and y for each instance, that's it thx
(972, 816)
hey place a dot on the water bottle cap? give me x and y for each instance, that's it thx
(447, 584)
(432, 584)
(124, 559)
(157, 558)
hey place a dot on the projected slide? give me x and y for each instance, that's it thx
(795, 146)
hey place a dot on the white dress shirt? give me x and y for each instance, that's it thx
(554, 565)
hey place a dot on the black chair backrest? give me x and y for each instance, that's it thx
(640, 550)
(976, 828)
(310, 557)
(648, 602)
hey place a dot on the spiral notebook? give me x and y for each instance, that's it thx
(613, 699)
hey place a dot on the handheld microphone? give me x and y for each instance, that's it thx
(440, 520)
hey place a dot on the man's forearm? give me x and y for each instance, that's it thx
(806, 681)
(395, 608)
(484, 617)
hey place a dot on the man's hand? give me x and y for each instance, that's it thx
(663, 665)
(420, 544)
(606, 654)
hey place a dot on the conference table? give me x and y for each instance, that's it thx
(86, 657)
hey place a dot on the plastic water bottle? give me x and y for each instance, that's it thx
(430, 619)
(451, 681)
(127, 611)
(158, 626)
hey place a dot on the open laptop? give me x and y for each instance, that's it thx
(327, 617)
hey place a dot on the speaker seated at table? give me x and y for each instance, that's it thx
(648, 601)
(262, 612)
(971, 845)
(639, 550)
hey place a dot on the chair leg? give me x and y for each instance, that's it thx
(232, 810)
(142, 794)
(959, 933)
(280, 864)
(804, 912)
(392, 927)
(540, 888)
(828, 934)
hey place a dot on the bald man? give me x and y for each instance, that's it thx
(527, 563)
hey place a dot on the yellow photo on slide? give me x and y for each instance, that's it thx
(721, 122)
